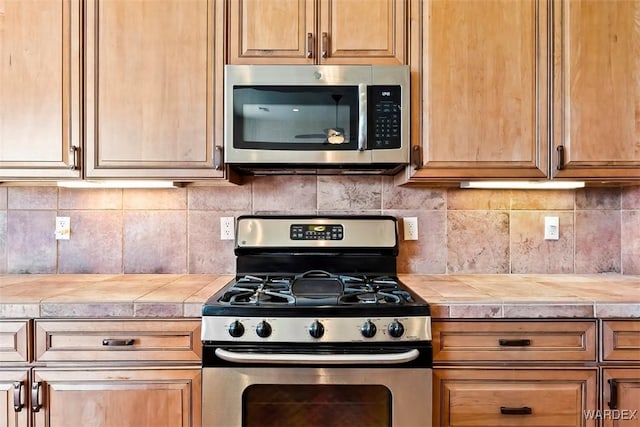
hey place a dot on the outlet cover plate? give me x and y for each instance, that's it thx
(227, 228)
(410, 227)
(63, 228)
(551, 228)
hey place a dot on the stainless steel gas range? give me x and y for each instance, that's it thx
(316, 329)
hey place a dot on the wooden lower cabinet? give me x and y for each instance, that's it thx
(14, 404)
(100, 373)
(621, 397)
(117, 397)
(620, 373)
(514, 397)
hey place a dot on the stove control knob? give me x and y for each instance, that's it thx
(396, 329)
(316, 329)
(263, 329)
(236, 329)
(369, 329)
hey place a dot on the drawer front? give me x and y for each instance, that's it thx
(496, 397)
(514, 341)
(621, 340)
(14, 340)
(119, 340)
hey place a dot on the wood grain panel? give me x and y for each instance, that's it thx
(475, 397)
(479, 341)
(116, 397)
(151, 340)
(363, 31)
(8, 380)
(14, 340)
(485, 84)
(597, 90)
(40, 88)
(264, 31)
(150, 87)
(621, 340)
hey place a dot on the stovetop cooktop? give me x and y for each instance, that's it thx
(309, 279)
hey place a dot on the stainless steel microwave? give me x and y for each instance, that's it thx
(316, 118)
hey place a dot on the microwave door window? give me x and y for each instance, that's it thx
(296, 118)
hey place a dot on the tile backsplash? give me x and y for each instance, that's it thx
(460, 231)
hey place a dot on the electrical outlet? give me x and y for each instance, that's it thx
(410, 228)
(227, 228)
(551, 228)
(63, 228)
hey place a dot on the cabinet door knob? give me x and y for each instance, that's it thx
(18, 400)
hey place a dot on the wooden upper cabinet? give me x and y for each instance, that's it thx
(39, 89)
(597, 89)
(152, 83)
(317, 32)
(484, 90)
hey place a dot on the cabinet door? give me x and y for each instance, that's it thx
(117, 397)
(621, 397)
(272, 32)
(484, 90)
(363, 31)
(14, 389)
(39, 89)
(597, 89)
(512, 397)
(152, 88)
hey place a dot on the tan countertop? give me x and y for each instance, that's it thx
(450, 296)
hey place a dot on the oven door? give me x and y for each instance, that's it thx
(316, 390)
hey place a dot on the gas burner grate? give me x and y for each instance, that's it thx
(279, 289)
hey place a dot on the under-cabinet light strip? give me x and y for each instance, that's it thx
(117, 184)
(533, 185)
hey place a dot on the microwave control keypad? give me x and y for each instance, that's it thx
(385, 117)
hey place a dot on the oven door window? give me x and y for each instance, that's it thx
(313, 118)
(320, 405)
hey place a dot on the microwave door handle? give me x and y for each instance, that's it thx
(362, 115)
(318, 359)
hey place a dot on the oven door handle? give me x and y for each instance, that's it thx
(318, 359)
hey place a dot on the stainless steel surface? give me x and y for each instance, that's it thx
(362, 113)
(223, 388)
(314, 75)
(296, 329)
(274, 232)
(318, 359)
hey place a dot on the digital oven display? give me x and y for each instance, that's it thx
(316, 232)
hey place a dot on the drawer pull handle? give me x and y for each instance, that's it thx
(525, 410)
(613, 389)
(35, 397)
(309, 45)
(18, 401)
(117, 343)
(514, 343)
